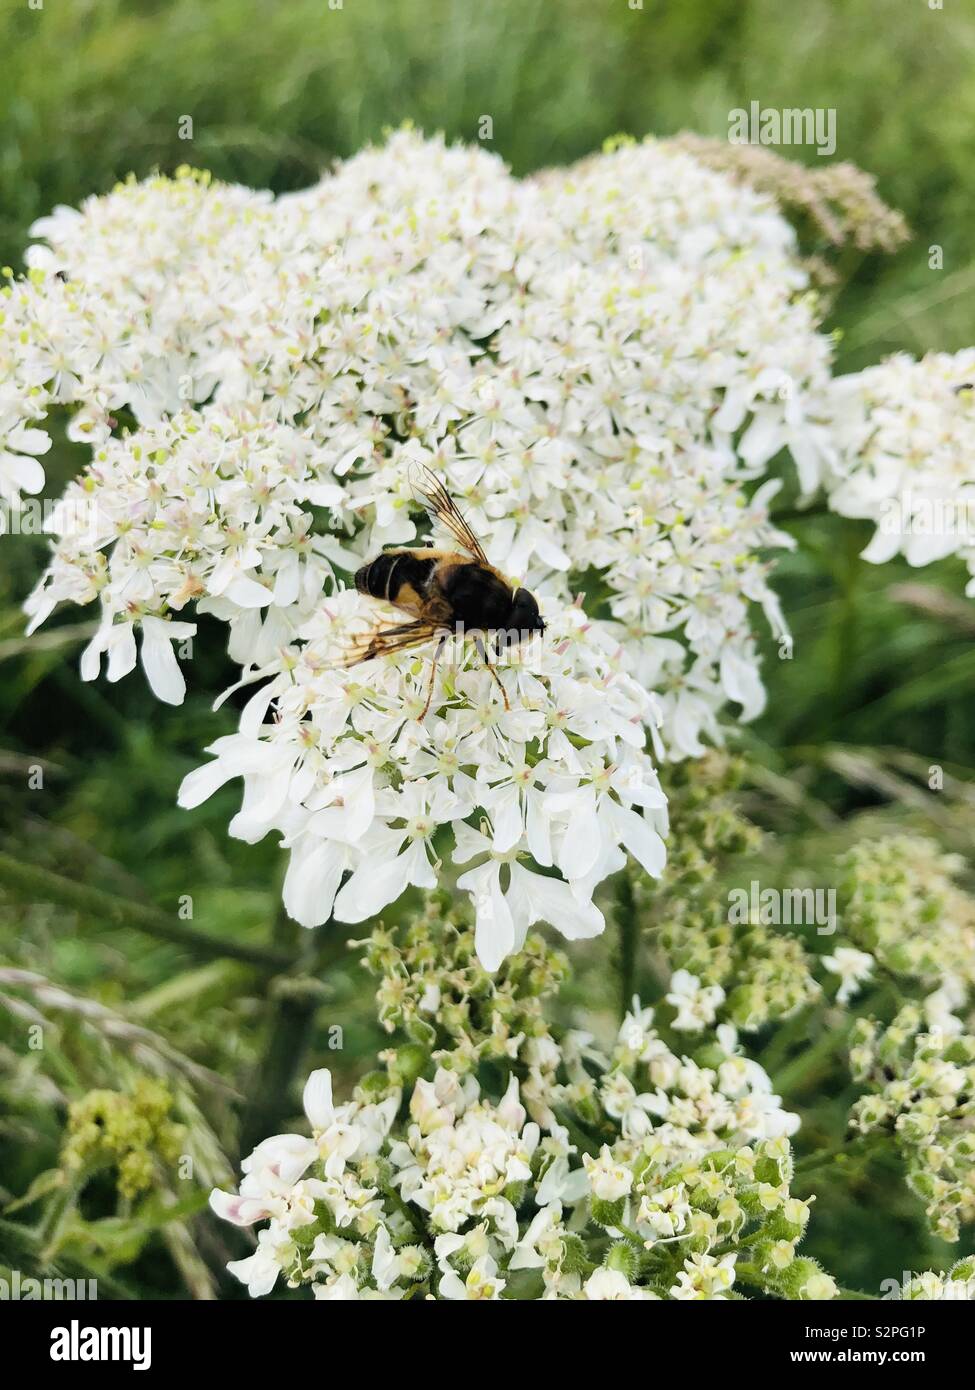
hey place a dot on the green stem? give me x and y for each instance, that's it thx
(397, 1200)
(628, 940)
(32, 883)
(289, 1030)
(747, 1272)
(847, 631)
(836, 1153)
(806, 1067)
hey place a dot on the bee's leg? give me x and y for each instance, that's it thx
(433, 675)
(482, 653)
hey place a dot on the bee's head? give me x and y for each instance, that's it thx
(523, 620)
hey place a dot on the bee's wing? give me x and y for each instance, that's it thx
(383, 638)
(431, 494)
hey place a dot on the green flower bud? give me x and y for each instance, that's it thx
(409, 1063)
(622, 1257)
(607, 1213)
(575, 1257)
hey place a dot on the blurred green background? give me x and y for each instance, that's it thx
(879, 688)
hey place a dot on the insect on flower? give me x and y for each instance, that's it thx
(445, 591)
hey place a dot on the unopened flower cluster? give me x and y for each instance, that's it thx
(922, 1092)
(901, 903)
(129, 1132)
(434, 991)
(745, 973)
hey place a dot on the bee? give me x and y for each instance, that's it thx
(444, 591)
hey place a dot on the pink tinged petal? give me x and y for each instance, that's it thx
(317, 1098)
(240, 1211)
(286, 1155)
(639, 837)
(314, 873)
(159, 662)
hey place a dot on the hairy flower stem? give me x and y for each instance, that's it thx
(293, 1012)
(749, 1273)
(32, 883)
(628, 940)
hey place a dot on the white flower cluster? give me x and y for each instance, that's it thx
(462, 1197)
(902, 438)
(357, 785)
(576, 354)
(597, 362)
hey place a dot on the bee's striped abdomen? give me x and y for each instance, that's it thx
(398, 576)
